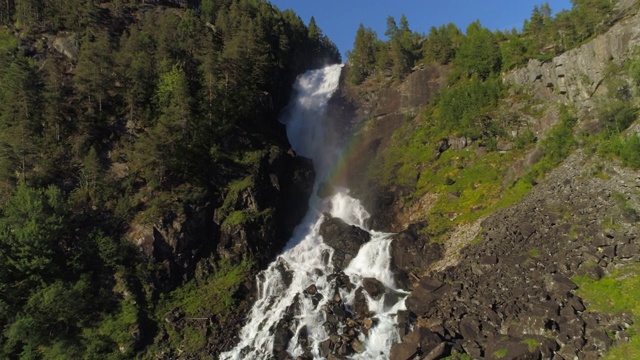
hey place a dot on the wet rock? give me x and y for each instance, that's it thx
(311, 289)
(281, 337)
(303, 338)
(357, 346)
(360, 305)
(312, 292)
(286, 274)
(373, 287)
(325, 348)
(345, 239)
(368, 322)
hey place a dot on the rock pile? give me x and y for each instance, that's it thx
(511, 296)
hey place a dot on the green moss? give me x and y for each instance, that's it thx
(457, 356)
(617, 293)
(500, 353)
(233, 190)
(532, 344)
(195, 337)
(534, 253)
(213, 295)
(8, 42)
(243, 216)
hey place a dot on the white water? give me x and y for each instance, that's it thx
(305, 254)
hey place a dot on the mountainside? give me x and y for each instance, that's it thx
(523, 232)
(144, 178)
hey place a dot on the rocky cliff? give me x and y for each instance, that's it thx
(577, 75)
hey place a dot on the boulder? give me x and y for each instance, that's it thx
(345, 240)
(412, 252)
(67, 46)
(373, 287)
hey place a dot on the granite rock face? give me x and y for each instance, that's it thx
(577, 75)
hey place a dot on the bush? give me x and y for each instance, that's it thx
(617, 116)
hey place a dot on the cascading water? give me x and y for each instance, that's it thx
(296, 290)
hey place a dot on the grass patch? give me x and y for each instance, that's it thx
(617, 293)
(213, 295)
(8, 42)
(532, 344)
(534, 253)
(457, 356)
(500, 353)
(246, 215)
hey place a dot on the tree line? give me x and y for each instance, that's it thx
(478, 50)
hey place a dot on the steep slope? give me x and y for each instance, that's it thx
(144, 178)
(502, 227)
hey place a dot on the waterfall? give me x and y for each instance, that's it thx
(296, 290)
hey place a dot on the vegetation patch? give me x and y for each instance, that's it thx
(500, 353)
(616, 293)
(532, 344)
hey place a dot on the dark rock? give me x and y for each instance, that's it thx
(469, 328)
(421, 300)
(594, 272)
(412, 252)
(489, 260)
(311, 289)
(442, 350)
(344, 239)
(357, 346)
(373, 287)
(325, 348)
(404, 351)
(511, 349)
(560, 284)
(567, 352)
(281, 338)
(472, 348)
(527, 229)
(360, 306)
(303, 338)
(599, 340)
(404, 322)
(576, 303)
(626, 251)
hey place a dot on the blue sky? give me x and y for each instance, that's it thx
(339, 19)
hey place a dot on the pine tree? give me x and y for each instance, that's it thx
(362, 59)
(479, 53)
(93, 74)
